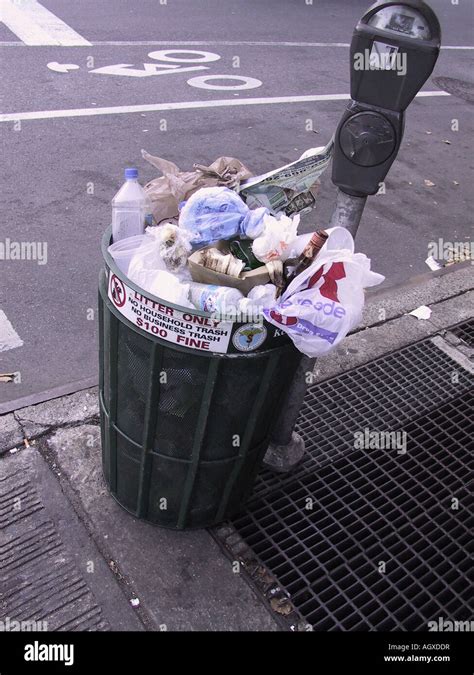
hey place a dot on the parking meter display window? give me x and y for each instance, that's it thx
(402, 19)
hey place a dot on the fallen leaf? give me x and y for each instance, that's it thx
(281, 605)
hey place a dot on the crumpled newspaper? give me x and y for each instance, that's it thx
(175, 186)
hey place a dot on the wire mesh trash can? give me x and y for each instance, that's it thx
(186, 403)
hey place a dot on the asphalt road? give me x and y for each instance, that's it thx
(60, 173)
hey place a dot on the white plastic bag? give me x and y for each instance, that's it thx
(258, 298)
(169, 287)
(148, 269)
(275, 241)
(173, 245)
(325, 302)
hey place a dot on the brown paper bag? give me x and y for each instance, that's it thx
(175, 186)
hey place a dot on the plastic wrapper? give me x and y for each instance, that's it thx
(219, 213)
(325, 302)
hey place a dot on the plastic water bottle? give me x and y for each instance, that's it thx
(131, 208)
(214, 299)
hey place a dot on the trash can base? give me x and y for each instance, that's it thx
(284, 458)
(212, 522)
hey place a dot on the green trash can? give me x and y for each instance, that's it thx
(186, 403)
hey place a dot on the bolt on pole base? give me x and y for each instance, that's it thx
(284, 458)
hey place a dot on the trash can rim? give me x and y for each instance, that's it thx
(110, 262)
(186, 350)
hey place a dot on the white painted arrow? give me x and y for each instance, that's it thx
(149, 69)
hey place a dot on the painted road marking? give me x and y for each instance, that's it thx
(148, 69)
(61, 67)
(9, 338)
(203, 57)
(243, 83)
(216, 43)
(36, 25)
(184, 105)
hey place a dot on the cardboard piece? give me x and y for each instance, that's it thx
(244, 283)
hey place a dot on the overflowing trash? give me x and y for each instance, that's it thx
(220, 241)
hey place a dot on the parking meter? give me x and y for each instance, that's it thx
(393, 52)
(394, 49)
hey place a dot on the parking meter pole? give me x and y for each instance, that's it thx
(287, 447)
(394, 49)
(348, 211)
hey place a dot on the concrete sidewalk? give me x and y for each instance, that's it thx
(72, 557)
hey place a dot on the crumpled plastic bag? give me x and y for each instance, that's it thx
(145, 263)
(164, 248)
(169, 287)
(325, 301)
(175, 186)
(219, 213)
(258, 298)
(173, 245)
(277, 236)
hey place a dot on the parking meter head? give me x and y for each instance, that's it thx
(394, 49)
(393, 52)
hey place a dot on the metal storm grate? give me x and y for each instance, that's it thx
(372, 539)
(383, 394)
(383, 545)
(465, 332)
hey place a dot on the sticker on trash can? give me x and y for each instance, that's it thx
(249, 337)
(167, 323)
